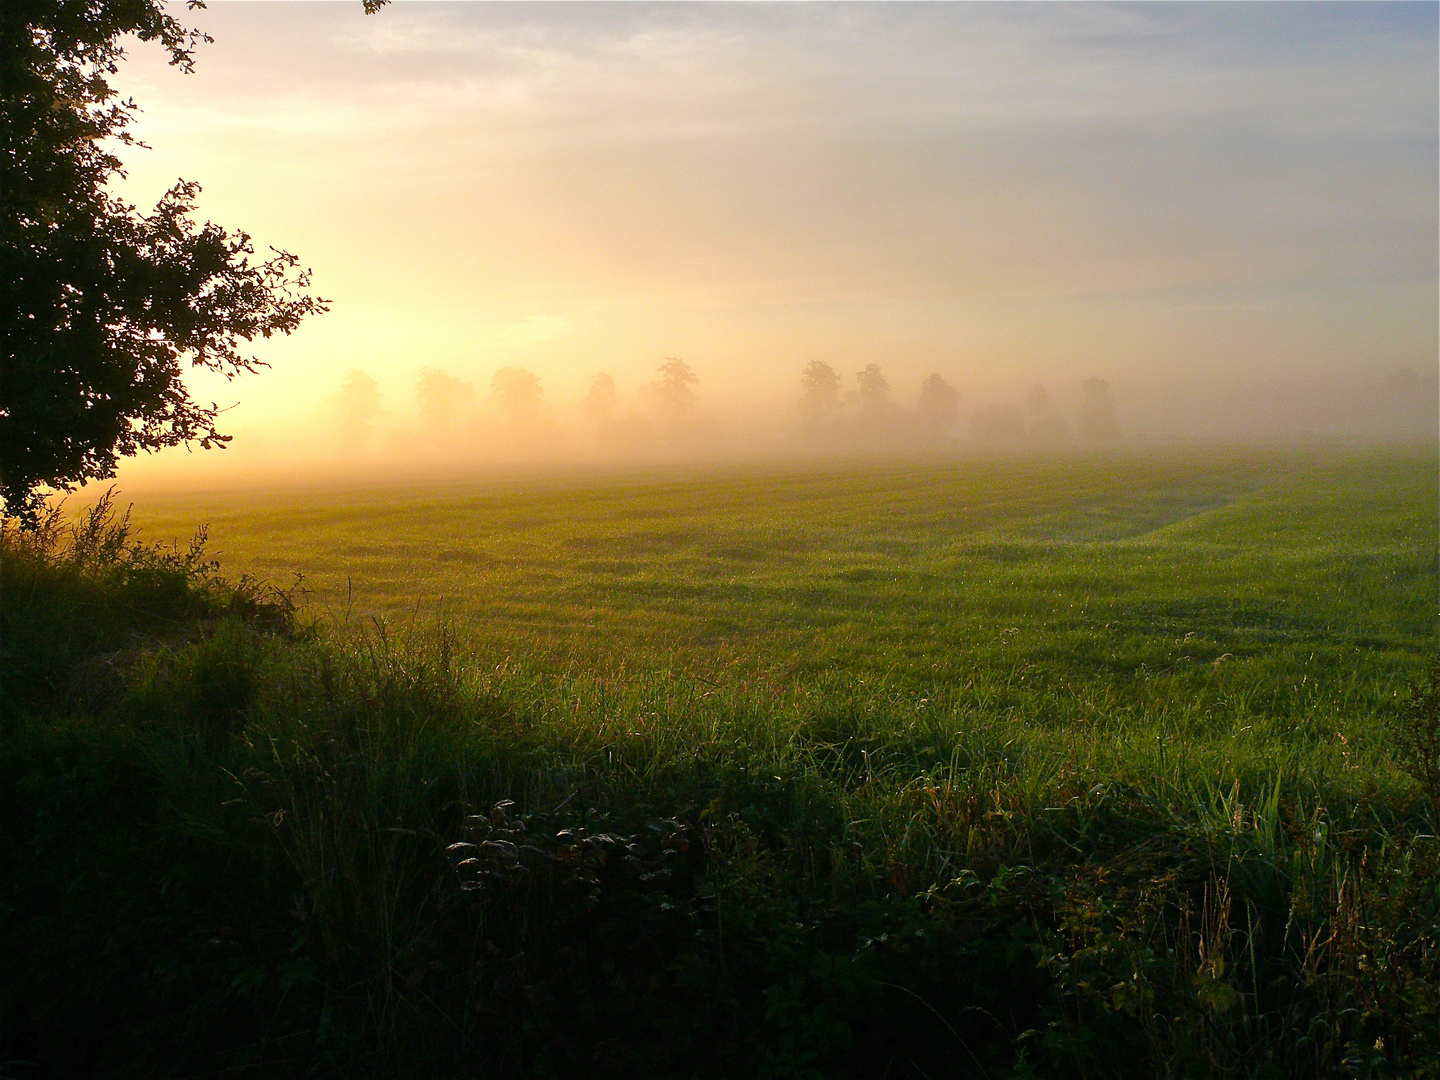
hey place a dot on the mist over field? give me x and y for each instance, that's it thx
(760, 541)
(1228, 214)
(464, 420)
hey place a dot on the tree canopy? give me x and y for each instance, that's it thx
(874, 393)
(102, 305)
(939, 404)
(821, 387)
(674, 391)
(600, 398)
(356, 406)
(517, 392)
(442, 398)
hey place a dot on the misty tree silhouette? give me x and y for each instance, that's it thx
(821, 389)
(356, 406)
(874, 392)
(517, 392)
(674, 390)
(442, 398)
(939, 404)
(599, 400)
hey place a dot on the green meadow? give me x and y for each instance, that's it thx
(1081, 765)
(1069, 587)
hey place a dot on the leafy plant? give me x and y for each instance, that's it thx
(1419, 741)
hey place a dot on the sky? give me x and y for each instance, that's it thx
(1223, 203)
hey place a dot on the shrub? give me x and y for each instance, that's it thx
(81, 601)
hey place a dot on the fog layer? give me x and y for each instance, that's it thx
(1228, 213)
(442, 424)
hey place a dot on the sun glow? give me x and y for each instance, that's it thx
(1206, 207)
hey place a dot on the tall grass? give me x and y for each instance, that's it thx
(89, 592)
(373, 850)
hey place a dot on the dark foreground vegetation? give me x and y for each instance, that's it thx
(234, 844)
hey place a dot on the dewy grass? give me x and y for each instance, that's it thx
(1063, 771)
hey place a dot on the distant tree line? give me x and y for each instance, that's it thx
(667, 409)
(869, 412)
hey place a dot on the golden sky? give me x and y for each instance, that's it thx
(1158, 195)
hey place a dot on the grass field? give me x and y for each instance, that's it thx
(1065, 590)
(809, 558)
(1073, 766)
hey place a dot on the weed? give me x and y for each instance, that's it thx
(1419, 738)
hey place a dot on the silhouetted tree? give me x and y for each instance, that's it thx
(1097, 412)
(939, 404)
(873, 394)
(599, 400)
(674, 390)
(102, 306)
(517, 392)
(820, 387)
(357, 406)
(442, 398)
